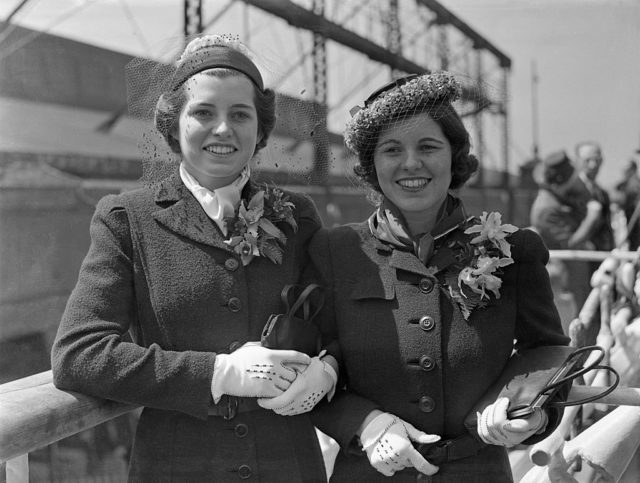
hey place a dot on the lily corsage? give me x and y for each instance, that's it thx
(253, 232)
(479, 262)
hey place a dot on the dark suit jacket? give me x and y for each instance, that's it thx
(158, 267)
(603, 233)
(429, 372)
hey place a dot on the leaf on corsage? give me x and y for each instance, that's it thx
(272, 229)
(272, 252)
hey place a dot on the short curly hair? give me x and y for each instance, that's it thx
(430, 94)
(170, 104)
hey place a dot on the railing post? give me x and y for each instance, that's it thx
(17, 469)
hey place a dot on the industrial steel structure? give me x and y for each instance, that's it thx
(405, 36)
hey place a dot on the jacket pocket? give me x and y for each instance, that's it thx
(370, 288)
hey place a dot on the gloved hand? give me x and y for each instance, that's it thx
(387, 442)
(254, 371)
(311, 385)
(495, 428)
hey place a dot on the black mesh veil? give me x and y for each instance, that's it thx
(450, 99)
(287, 158)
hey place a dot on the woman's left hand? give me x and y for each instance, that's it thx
(495, 428)
(310, 386)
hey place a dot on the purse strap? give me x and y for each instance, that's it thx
(302, 300)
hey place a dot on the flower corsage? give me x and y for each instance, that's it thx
(478, 269)
(253, 232)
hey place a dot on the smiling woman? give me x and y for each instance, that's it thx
(427, 302)
(217, 128)
(413, 164)
(181, 277)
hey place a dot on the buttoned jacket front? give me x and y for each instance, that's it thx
(159, 269)
(407, 348)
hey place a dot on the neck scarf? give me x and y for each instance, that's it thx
(388, 225)
(219, 203)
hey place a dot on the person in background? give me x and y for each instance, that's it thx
(627, 197)
(427, 302)
(589, 160)
(192, 266)
(558, 209)
(564, 217)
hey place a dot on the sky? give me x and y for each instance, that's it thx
(585, 53)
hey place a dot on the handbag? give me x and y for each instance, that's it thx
(540, 378)
(294, 329)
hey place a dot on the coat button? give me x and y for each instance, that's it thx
(241, 430)
(231, 264)
(426, 284)
(244, 472)
(427, 363)
(426, 404)
(234, 304)
(235, 345)
(427, 323)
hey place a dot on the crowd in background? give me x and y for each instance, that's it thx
(573, 211)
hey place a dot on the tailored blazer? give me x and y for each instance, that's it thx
(407, 349)
(158, 269)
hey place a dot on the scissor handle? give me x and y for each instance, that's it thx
(553, 384)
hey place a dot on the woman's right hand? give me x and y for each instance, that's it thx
(494, 426)
(387, 440)
(255, 371)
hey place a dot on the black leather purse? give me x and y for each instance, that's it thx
(294, 329)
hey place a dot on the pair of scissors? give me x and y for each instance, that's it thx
(570, 369)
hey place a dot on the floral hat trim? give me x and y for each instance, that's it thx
(401, 99)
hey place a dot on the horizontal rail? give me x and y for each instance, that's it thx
(34, 414)
(621, 396)
(593, 255)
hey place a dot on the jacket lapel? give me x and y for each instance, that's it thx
(407, 261)
(184, 215)
(449, 236)
(377, 280)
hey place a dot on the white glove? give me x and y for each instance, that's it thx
(387, 442)
(495, 428)
(311, 385)
(254, 371)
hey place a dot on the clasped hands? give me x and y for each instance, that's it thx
(285, 381)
